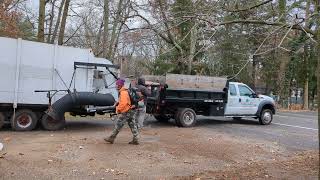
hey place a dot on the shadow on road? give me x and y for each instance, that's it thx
(88, 124)
(92, 124)
(204, 122)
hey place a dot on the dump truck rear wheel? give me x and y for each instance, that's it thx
(176, 117)
(50, 124)
(186, 117)
(24, 120)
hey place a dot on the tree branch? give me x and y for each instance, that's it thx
(155, 30)
(167, 27)
(252, 7)
(247, 21)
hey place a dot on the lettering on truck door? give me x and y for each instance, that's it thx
(249, 103)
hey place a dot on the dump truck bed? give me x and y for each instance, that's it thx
(206, 95)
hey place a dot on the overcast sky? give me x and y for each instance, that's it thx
(34, 4)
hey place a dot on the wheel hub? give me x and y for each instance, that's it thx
(267, 117)
(188, 118)
(24, 120)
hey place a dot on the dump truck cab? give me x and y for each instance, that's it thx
(244, 102)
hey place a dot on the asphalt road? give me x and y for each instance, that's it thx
(294, 130)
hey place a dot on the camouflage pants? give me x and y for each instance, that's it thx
(140, 116)
(122, 119)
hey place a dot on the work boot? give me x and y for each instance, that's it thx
(134, 142)
(110, 139)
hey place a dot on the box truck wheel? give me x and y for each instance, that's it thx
(186, 117)
(2, 119)
(48, 123)
(24, 120)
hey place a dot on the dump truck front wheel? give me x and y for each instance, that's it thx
(266, 117)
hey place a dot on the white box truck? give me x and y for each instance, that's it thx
(35, 75)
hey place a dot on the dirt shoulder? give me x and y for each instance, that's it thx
(166, 152)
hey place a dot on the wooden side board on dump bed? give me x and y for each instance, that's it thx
(180, 81)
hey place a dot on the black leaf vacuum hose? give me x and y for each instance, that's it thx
(71, 100)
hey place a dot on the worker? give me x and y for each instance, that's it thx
(125, 112)
(144, 92)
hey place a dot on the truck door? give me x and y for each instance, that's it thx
(248, 103)
(232, 107)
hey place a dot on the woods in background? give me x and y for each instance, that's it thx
(271, 45)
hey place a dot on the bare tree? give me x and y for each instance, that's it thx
(283, 55)
(63, 22)
(114, 28)
(193, 42)
(55, 31)
(306, 61)
(42, 6)
(105, 27)
(51, 20)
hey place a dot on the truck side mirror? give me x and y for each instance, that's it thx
(254, 95)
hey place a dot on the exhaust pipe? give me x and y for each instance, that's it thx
(69, 101)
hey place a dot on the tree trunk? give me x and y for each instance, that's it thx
(55, 31)
(318, 69)
(63, 22)
(42, 7)
(118, 35)
(97, 49)
(193, 41)
(51, 21)
(254, 72)
(306, 63)
(317, 6)
(114, 29)
(105, 28)
(306, 93)
(283, 55)
(116, 42)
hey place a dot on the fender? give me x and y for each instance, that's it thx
(267, 104)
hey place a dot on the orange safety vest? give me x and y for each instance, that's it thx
(124, 104)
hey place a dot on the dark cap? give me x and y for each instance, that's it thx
(141, 81)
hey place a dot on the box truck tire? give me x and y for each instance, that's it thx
(24, 120)
(51, 124)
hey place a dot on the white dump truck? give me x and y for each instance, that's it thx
(39, 82)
